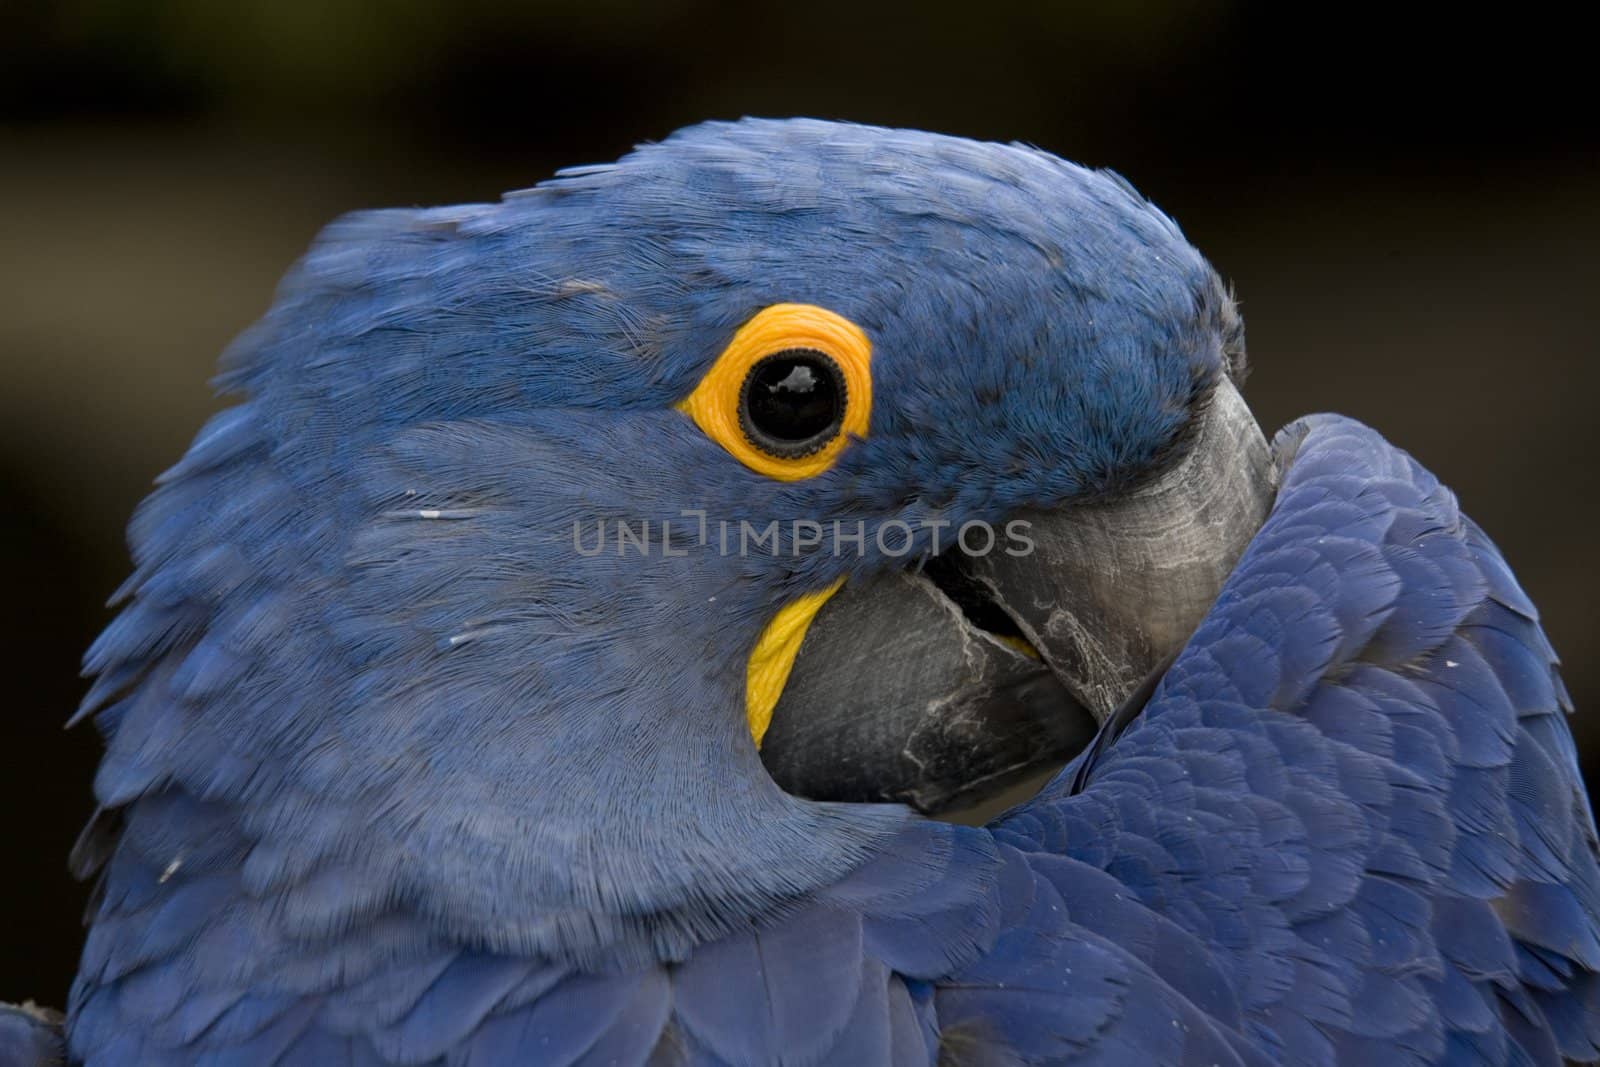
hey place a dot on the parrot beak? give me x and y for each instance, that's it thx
(940, 687)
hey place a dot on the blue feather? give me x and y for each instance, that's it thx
(403, 779)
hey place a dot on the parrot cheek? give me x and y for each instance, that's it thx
(938, 688)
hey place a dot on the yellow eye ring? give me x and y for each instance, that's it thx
(814, 343)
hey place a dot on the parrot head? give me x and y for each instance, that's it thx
(572, 563)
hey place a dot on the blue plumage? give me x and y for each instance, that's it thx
(30, 1036)
(394, 777)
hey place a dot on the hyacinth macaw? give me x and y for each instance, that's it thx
(409, 762)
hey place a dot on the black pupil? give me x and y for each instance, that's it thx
(793, 401)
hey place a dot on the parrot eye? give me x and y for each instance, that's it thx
(792, 402)
(787, 394)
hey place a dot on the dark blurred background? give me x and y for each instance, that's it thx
(1408, 205)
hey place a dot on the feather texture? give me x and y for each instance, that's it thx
(394, 778)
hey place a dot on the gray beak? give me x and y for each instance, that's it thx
(922, 687)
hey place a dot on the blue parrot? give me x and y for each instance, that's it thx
(551, 657)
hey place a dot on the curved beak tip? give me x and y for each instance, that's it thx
(898, 695)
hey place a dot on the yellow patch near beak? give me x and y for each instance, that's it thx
(1019, 644)
(773, 657)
